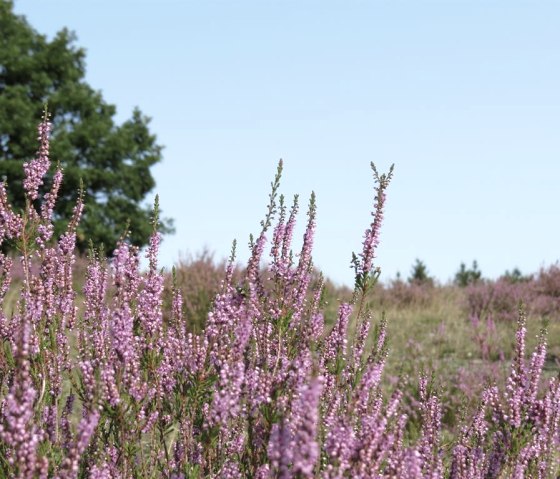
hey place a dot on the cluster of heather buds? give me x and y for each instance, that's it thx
(111, 384)
(37, 168)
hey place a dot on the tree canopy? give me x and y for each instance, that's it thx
(113, 161)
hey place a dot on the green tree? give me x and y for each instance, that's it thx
(419, 274)
(516, 276)
(465, 276)
(113, 161)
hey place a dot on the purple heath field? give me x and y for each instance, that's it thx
(267, 369)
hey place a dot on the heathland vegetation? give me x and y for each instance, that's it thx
(265, 370)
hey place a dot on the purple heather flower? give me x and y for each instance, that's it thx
(110, 391)
(359, 346)
(150, 300)
(47, 208)
(263, 472)
(468, 463)
(517, 380)
(304, 421)
(65, 421)
(277, 240)
(226, 403)
(280, 450)
(86, 429)
(36, 169)
(535, 369)
(340, 444)
(101, 472)
(10, 224)
(150, 422)
(285, 258)
(430, 440)
(302, 274)
(368, 388)
(371, 236)
(18, 431)
(336, 342)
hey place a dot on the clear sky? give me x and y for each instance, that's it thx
(463, 96)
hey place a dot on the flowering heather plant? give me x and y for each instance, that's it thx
(113, 388)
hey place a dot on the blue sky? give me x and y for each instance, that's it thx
(463, 96)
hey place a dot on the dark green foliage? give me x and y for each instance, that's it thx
(114, 161)
(419, 274)
(465, 276)
(516, 276)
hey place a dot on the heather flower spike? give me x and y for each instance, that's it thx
(365, 275)
(37, 168)
(275, 185)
